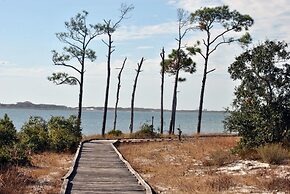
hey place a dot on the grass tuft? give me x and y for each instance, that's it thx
(273, 153)
(278, 183)
(218, 158)
(13, 181)
(220, 183)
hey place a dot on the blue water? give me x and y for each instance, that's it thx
(92, 120)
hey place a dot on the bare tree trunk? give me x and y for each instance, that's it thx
(201, 100)
(205, 72)
(138, 70)
(174, 104)
(118, 93)
(80, 102)
(162, 54)
(108, 82)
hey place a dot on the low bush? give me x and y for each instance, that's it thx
(115, 133)
(64, 134)
(7, 131)
(14, 155)
(246, 153)
(146, 131)
(34, 134)
(273, 153)
(218, 158)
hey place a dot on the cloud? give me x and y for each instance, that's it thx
(271, 18)
(144, 47)
(141, 32)
(4, 63)
(16, 71)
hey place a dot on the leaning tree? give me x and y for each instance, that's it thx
(77, 38)
(118, 93)
(138, 71)
(261, 108)
(218, 24)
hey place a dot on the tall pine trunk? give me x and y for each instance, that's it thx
(205, 72)
(138, 70)
(80, 102)
(174, 104)
(162, 54)
(118, 93)
(108, 83)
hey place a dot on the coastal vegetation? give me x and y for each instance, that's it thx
(261, 108)
(259, 114)
(37, 136)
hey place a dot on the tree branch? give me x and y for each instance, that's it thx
(220, 43)
(70, 66)
(218, 36)
(201, 54)
(210, 71)
(68, 78)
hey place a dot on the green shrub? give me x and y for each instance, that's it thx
(13, 155)
(273, 153)
(7, 131)
(115, 133)
(5, 156)
(34, 134)
(64, 134)
(146, 131)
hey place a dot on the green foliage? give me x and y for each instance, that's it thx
(261, 108)
(34, 134)
(11, 152)
(115, 133)
(273, 153)
(146, 131)
(179, 61)
(207, 16)
(63, 78)
(78, 36)
(64, 134)
(14, 154)
(7, 131)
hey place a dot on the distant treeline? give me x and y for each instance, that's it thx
(31, 105)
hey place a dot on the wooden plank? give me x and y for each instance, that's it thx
(100, 170)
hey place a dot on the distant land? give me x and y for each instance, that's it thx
(30, 105)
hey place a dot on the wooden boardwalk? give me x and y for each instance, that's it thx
(99, 169)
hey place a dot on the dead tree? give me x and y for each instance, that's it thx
(138, 70)
(162, 55)
(118, 93)
(109, 29)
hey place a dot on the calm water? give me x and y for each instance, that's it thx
(92, 120)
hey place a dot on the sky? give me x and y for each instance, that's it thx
(27, 36)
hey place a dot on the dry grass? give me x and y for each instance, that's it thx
(174, 166)
(44, 176)
(13, 181)
(180, 167)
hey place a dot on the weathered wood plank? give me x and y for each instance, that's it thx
(100, 170)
